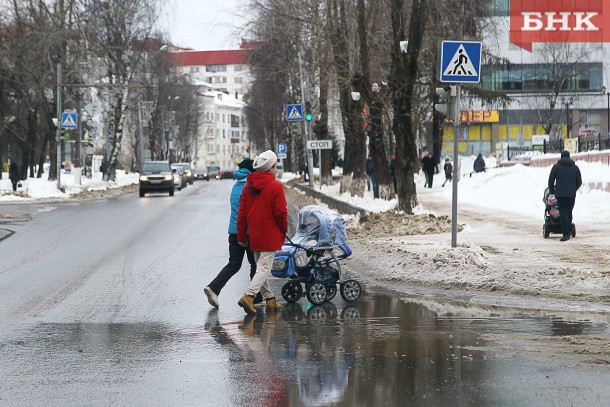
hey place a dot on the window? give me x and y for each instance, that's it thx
(584, 77)
(500, 8)
(234, 121)
(216, 68)
(194, 69)
(238, 68)
(238, 79)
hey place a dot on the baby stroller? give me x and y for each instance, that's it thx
(312, 259)
(552, 220)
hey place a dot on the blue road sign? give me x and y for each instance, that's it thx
(68, 120)
(294, 113)
(281, 149)
(460, 62)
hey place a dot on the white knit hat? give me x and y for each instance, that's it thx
(265, 161)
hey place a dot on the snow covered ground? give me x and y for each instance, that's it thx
(41, 188)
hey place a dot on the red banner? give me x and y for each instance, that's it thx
(559, 21)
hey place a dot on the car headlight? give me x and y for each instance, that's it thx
(143, 178)
(169, 177)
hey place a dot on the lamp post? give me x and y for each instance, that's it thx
(608, 113)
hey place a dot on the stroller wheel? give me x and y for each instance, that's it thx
(573, 230)
(292, 291)
(331, 291)
(545, 231)
(316, 293)
(350, 290)
(317, 313)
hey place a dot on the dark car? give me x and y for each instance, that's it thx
(200, 173)
(156, 176)
(187, 171)
(214, 171)
(226, 174)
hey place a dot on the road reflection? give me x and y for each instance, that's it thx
(388, 351)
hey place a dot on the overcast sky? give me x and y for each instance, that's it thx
(205, 24)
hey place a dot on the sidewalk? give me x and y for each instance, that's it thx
(498, 259)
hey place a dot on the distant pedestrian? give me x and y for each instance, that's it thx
(448, 171)
(393, 171)
(430, 168)
(371, 176)
(236, 251)
(564, 181)
(13, 174)
(262, 221)
(479, 164)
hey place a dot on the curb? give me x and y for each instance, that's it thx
(342, 207)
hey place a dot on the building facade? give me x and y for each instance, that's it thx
(564, 87)
(223, 78)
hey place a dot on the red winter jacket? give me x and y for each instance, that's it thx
(262, 213)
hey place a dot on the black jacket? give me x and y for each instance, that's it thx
(448, 169)
(565, 178)
(369, 167)
(428, 165)
(479, 164)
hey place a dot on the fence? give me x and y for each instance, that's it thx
(588, 143)
(585, 143)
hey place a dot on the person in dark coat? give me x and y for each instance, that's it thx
(393, 171)
(13, 174)
(479, 164)
(430, 168)
(371, 176)
(236, 251)
(262, 220)
(448, 171)
(564, 181)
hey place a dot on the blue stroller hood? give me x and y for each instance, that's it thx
(318, 226)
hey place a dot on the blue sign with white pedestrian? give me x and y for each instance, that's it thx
(294, 113)
(460, 62)
(281, 149)
(68, 120)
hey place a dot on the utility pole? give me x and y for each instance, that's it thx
(58, 128)
(307, 127)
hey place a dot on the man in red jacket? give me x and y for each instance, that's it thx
(262, 221)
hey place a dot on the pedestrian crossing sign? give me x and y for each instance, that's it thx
(68, 120)
(294, 113)
(460, 62)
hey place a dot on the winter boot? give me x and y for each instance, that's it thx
(246, 302)
(272, 304)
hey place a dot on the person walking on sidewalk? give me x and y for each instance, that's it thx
(13, 174)
(448, 171)
(262, 221)
(236, 251)
(564, 181)
(430, 168)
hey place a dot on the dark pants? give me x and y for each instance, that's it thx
(447, 178)
(429, 178)
(566, 205)
(14, 185)
(236, 258)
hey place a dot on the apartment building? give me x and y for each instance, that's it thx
(223, 78)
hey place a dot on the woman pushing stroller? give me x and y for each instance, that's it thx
(262, 221)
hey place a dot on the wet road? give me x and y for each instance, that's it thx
(102, 303)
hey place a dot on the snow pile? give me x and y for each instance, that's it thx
(42, 188)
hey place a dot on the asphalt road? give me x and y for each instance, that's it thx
(101, 303)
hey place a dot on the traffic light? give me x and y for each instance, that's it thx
(247, 148)
(308, 111)
(445, 99)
